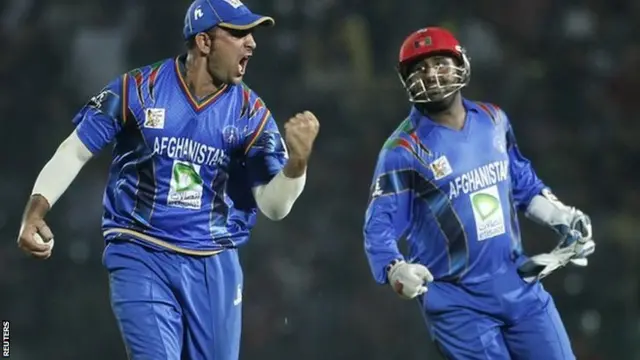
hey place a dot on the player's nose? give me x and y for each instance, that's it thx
(250, 42)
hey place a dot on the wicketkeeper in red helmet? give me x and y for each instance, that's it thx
(450, 181)
(433, 68)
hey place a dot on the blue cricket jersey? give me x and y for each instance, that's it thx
(183, 168)
(453, 195)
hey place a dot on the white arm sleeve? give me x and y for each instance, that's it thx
(546, 210)
(276, 198)
(59, 172)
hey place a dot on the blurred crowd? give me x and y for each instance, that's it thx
(564, 71)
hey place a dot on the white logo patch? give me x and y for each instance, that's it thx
(197, 13)
(235, 3)
(488, 214)
(154, 118)
(441, 167)
(185, 187)
(97, 100)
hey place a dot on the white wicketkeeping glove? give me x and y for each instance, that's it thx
(579, 237)
(574, 247)
(409, 280)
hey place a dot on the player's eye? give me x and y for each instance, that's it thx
(239, 33)
(439, 61)
(418, 69)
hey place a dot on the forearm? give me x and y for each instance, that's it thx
(56, 176)
(546, 210)
(380, 241)
(276, 198)
(380, 254)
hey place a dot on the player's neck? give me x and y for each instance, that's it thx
(453, 117)
(198, 79)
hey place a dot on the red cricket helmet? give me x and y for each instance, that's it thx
(444, 80)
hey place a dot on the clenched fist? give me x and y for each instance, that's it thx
(300, 133)
(36, 238)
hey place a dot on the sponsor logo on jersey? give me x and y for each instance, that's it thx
(487, 212)
(186, 186)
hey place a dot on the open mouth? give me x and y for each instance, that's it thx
(242, 65)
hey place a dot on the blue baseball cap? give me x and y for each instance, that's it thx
(231, 14)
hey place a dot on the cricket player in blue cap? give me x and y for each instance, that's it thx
(196, 154)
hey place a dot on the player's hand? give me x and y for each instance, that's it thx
(581, 223)
(300, 133)
(36, 238)
(578, 236)
(409, 280)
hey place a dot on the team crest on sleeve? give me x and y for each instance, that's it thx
(98, 100)
(107, 102)
(268, 141)
(154, 118)
(377, 189)
(441, 167)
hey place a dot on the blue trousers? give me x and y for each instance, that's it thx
(500, 319)
(172, 306)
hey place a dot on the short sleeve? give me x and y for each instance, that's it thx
(265, 150)
(103, 116)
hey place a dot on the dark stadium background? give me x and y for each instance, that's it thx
(567, 73)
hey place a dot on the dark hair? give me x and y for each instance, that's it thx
(190, 43)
